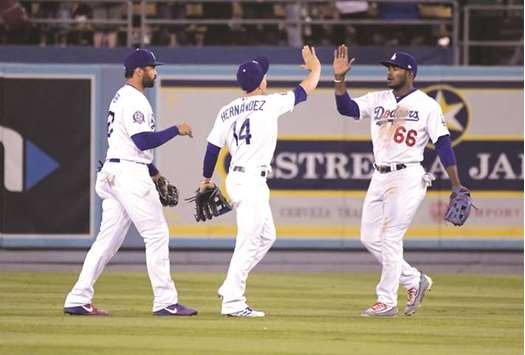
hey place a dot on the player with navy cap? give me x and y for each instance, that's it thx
(125, 185)
(248, 127)
(402, 121)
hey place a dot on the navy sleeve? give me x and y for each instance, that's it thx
(300, 94)
(150, 140)
(152, 169)
(445, 152)
(210, 159)
(346, 106)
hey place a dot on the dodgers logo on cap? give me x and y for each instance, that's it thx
(140, 58)
(402, 60)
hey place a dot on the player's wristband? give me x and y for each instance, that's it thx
(339, 81)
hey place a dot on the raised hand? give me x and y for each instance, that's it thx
(342, 64)
(311, 62)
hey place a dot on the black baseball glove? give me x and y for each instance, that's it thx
(209, 203)
(168, 194)
(459, 206)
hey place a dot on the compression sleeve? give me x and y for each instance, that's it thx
(152, 169)
(445, 152)
(346, 106)
(150, 140)
(300, 94)
(210, 159)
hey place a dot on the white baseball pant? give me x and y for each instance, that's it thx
(255, 234)
(389, 207)
(128, 195)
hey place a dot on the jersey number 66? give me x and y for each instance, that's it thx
(409, 139)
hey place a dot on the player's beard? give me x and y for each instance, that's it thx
(148, 82)
(400, 84)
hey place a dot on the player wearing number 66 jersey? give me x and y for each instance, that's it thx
(402, 121)
(248, 127)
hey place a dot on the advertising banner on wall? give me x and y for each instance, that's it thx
(323, 161)
(45, 156)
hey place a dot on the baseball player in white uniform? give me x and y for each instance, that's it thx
(248, 127)
(125, 185)
(402, 121)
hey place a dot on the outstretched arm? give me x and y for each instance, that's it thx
(150, 140)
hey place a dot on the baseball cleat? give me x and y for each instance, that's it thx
(85, 310)
(415, 296)
(247, 312)
(380, 310)
(176, 309)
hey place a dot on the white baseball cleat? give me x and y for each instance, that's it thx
(247, 312)
(380, 310)
(416, 295)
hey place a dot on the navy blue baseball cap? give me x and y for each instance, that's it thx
(250, 74)
(402, 60)
(141, 58)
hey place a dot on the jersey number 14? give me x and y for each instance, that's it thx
(244, 132)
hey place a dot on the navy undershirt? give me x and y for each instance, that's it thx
(445, 152)
(150, 140)
(399, 98)
(346, 106)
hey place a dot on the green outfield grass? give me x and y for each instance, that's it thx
(308, 313)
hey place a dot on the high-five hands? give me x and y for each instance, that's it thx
(311, 62)
(342, 64)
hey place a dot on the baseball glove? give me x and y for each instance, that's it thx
(209, 203)
(168, 194)
(459, 206)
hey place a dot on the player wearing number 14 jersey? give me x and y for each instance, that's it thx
(248, 127)
(402, 120)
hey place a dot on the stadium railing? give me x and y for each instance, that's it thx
(468, 42)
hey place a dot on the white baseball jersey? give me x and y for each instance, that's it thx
(248, 126)
(129, 113)
(401, 130)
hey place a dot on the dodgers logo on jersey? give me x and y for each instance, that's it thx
(454, 107)
(382, 115)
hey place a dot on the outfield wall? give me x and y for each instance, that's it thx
(53, 121)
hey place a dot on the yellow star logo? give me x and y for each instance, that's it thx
(450, 111)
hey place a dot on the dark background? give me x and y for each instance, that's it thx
(55, 115)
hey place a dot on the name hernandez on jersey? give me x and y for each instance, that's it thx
(129, 113)
(248, 127)
(401, 130)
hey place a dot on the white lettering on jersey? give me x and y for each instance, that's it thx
(248, 127)
(401, 130)
(129, 113)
